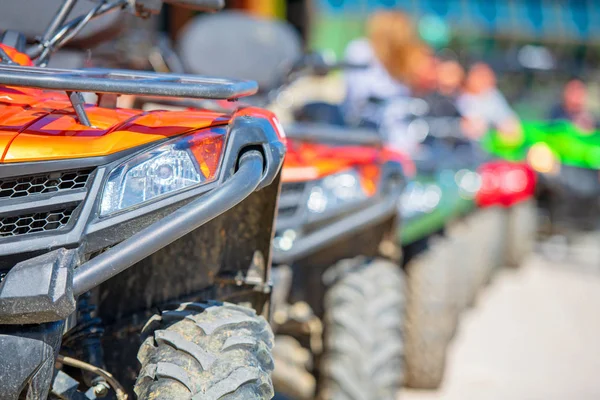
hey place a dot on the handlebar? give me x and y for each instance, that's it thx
(198, 5)
(59, 32)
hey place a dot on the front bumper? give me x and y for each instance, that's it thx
(43, 289)
(50, 268)
(89, 232)
(370, 216)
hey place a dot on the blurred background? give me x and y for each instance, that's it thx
(533, 333)
(535, 46)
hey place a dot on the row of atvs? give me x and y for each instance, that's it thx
(375, 252)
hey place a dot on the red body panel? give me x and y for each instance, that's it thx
(308, 161)
(505, 183)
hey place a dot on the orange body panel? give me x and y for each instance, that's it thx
(36, 126)
(17, 57)
(308, 161)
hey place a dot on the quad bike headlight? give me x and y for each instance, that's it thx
(334, 191)
(469, 183)
(418, 198)
(173, 166)
(542, 159)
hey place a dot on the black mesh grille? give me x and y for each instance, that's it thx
(44, 183)
(36, 222)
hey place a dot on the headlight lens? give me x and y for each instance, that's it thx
(542, 159)
(469, 183)
(419, 198)
(334, 191)
(178, 164)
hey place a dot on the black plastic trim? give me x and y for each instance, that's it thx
(52, 240)
(249, 132)
(39, 289)
(41, 202)
(331, 134)
(28, 353)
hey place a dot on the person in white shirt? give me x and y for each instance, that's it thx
(484, 106)
(396, 65)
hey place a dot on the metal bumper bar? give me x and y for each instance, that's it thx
(364, 219)
(161, 233)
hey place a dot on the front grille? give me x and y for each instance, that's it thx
(44, 183)
(16, 193)
(44, 221)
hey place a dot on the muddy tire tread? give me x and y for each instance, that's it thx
(429, 322)
(208, 350)
(364, 334)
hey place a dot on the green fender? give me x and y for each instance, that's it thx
(571, 145)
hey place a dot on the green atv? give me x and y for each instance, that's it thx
(567, 160)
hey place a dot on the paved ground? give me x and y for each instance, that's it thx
(534, 335)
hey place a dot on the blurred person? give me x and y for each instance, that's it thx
(574, 106)
(484, 106)
(381, 56)
(442, 93)
(450, 77)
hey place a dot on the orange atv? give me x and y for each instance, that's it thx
(339, 294)
(123, 231)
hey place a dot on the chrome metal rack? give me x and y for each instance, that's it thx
(115, 81)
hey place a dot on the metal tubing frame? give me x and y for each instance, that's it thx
(165, 231)
(59, 32)
(119, 81)
(311, 243)
(58, 19)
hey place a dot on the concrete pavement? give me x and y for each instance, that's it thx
(533, 335)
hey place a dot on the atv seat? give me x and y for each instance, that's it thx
(258, 49)
(333, 135)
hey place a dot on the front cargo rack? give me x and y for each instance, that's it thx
(117, 82)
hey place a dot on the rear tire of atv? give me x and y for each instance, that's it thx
(495, 232)
(207, 350)
(465, 264)
(521, 231)
(291, 377)
(430, 317)
(364, 321)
